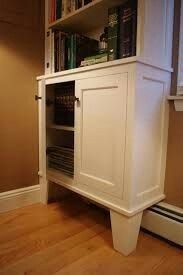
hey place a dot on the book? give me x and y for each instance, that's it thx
(78, 4)
(66, 7)
(53, 10)
(79, 47)
(61, 55)
(84, 47)
(87, 2)
(50, 11)
(52, 51)
(64, 104)
(68, 44)
(113, 33)
(58, 9)
(128, 29)
(73, 5)
(59, 51)
(56, 51)
(95, 59)
(98, 56)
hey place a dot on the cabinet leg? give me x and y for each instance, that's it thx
(44, 191)
(125, 231)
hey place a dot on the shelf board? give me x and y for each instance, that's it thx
(86, 18)
(175, 97)
(58, 177)
(178, 102)
(60, 127)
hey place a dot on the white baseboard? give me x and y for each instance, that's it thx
(18, 198)
(166, 221)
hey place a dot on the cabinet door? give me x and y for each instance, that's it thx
(100, 120)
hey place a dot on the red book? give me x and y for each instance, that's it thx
(53, 10)
(49, 11)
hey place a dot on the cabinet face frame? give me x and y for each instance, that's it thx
(42, 141)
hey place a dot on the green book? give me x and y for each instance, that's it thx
(69, 66)
(113, 33)
(102, 55)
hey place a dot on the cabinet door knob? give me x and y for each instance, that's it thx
(77, 99)
(37, 97)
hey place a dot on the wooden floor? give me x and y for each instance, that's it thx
(71, 237)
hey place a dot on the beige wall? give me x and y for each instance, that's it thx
(174, 168)
(21, 60)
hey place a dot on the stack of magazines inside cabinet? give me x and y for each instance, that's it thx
(61, 158)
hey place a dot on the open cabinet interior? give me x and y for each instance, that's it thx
(60, 100)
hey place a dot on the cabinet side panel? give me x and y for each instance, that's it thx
(150, 134)
(155, 32)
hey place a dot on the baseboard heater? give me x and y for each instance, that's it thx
(166, 221)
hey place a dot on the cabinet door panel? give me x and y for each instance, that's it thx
(100, 132)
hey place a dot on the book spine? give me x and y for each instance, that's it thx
(69, 52)
(68, 6)
(128, 29)
(52, 51)
(49, 11)
(59, 51)
(73, 5)
(63, 54)
(87, 2)
(134, 29)
(63, 8)
(73, 51)
(78, 4)
(56, 52)
(53, 10)
(58, 9)
(113, 32)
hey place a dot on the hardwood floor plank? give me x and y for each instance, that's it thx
(71, 237)
(28, 244)
(43, 257)
(31, 219)
(106, 261)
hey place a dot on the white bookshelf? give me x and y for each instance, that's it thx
(82, 20)
(121, 119)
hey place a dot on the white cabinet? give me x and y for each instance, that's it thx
(119, 140)
(100, 132)
(119, 137)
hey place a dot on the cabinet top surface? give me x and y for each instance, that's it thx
(90, 68)
(109, 64)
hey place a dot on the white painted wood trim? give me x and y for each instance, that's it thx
(125, 231)
(108, 64)
(19, 197)
(163, 226)
(180, 71)
(178, 102)
(106, 203)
